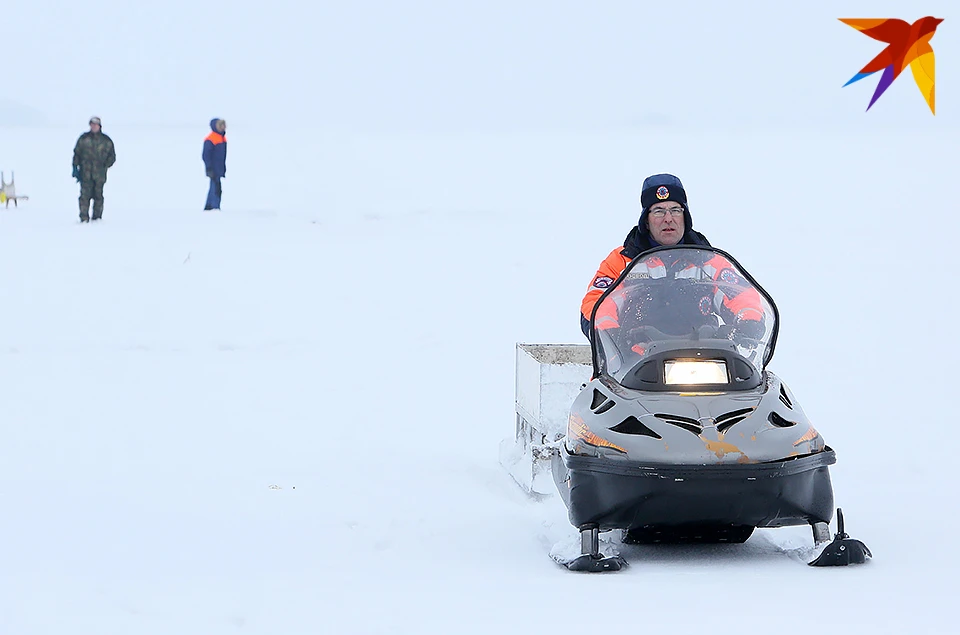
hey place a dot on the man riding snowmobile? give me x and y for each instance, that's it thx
(664, 220)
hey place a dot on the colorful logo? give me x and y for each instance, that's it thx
(663, 193)
(907, 44)
(602, 282)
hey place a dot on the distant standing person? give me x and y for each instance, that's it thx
(93, 155)
(215, 161)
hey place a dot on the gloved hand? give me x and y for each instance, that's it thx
(752, 329)
(76, 173)
(744, 332)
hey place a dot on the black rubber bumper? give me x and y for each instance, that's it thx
(625, 495)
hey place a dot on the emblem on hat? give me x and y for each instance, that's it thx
(663, 193)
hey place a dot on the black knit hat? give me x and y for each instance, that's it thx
(659, 188)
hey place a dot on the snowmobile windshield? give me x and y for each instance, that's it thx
(684, 304)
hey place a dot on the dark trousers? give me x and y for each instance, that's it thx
(91, 188)
(213, 196)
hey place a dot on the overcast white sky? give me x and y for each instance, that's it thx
(458, 65)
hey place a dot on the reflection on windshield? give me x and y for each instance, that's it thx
(682, 298)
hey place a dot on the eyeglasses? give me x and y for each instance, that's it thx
(676, 212)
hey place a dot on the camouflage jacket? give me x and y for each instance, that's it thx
(94, 153)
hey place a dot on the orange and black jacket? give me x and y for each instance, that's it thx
(215, 152)
(613, 265)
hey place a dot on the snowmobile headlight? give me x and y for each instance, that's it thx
(695, 372)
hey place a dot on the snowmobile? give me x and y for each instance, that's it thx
(681, 434)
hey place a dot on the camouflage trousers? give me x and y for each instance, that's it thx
(91, 188)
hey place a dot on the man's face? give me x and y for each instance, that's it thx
(665, 220)
(94, 127)
(221, 126)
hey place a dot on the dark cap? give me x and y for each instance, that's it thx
(659, 188)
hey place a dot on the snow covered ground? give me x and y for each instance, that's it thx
(285, 417)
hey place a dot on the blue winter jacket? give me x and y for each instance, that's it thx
(215, 151)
